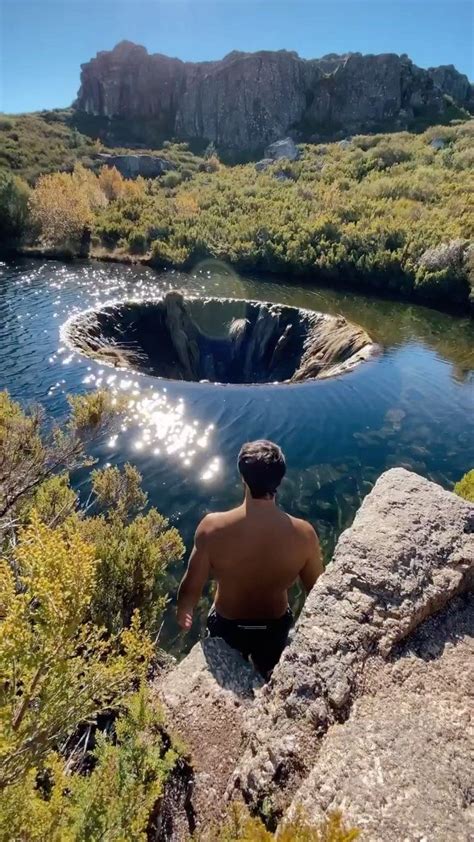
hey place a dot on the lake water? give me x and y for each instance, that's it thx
(411, 406)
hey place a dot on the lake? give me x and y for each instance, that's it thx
(413, 405)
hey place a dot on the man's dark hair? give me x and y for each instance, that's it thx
(262, 466)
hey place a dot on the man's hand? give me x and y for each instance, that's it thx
(185, 617)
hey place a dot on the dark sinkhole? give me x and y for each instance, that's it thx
(221, 340)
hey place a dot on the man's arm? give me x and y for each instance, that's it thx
(193, 581)
(313, 567)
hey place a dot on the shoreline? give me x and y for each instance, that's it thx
(128, 259)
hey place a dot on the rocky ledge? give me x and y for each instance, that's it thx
(220, 339)
(370, 709)
(248, 100)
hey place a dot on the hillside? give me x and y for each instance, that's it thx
(49, 141)
(386, 212)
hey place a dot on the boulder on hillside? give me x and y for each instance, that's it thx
(264, 164)
(445, 256)
(285, 148)
(131, 166)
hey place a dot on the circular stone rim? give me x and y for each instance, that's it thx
(366, 354)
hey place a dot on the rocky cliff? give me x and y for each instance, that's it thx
(248, 100)
(370, 708)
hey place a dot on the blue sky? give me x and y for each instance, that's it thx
(43, 42)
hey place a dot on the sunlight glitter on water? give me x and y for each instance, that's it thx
(158, 425)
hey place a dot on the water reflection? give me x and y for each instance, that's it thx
(157, 425)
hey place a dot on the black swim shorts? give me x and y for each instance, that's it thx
(261, 640)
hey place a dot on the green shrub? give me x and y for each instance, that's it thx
(42, 143)
(388, 212)
(14, 214)
(116, 800)
(137, 242)
(171, 179)
(465, 486)
(241, 827)
(65, 574)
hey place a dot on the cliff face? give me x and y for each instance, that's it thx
(248, 100)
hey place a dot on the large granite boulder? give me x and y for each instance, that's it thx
(370, 709)
(248, 100)
(131, 166)
(409, 552)
(400, 767)
(445, 256)
(285, 148)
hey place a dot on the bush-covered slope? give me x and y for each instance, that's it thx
(48, 141)
(388, 212)
(31, 144)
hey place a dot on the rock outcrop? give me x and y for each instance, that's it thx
(369, 710)
(400, 766)
(285, 148)
(204, 700)
(248, 100)
(131, 166)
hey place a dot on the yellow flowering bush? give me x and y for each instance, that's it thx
(83, 752)
(241, 827)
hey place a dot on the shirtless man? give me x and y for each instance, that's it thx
(255, 553)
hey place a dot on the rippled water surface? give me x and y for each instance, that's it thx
(412, 406)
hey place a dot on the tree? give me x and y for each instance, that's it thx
(14, 197)
(111, 182)
(63, 205)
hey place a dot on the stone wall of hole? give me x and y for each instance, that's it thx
(218, 340)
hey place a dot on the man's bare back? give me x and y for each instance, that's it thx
(255, 553)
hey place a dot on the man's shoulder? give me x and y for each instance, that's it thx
(216, 521)
(304, 528)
